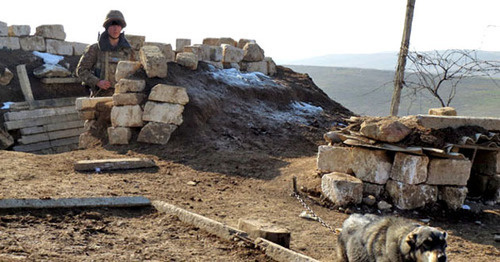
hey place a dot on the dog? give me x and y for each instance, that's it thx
(370, 238)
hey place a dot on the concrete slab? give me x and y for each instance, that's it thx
(18, 124)
(37, 113)
(74, 202)
(438, 122)
(45, 103)
(113, 164)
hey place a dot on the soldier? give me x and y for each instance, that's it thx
(97, 66)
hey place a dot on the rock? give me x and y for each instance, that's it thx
(271, 66)
(169, 94)
(125, 69)
(211, 41)
(231, 54)
(153, 61)
(58, 47)
(382, 205)
(407, 197)
(11, 43)
(156, 133)
(254, 67)
(204, 52)
(228, 41)
(4, 29)
(126, 116)
(373, 166)
(163, 112)
(335, 159)
(19, 30)
(196, 50)
(33, 43)
(369, 200)
(130, 86)
(180, 43)
(217, 65)
(51, 32)
(51, 70)
(253, 53)
(342, 189)
(387, 130)
(5, 77)
(6, 140)
(216, 53)
(242, 42)
(332, 137)
(409, 169)
(448, 172)
(454, 197)
(188, 60)
(257, 228)
(136, 41)
(85, 103)
(123, 99)
(372, 189)
(78, 48)
(166, 49)
(119, 135)
(443, 111)
(304, 214)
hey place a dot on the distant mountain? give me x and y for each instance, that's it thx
(381, 61)
(369, 92)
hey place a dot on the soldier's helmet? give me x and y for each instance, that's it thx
(114, 16)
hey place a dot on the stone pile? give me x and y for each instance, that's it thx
(364, 164)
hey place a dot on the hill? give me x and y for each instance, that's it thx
(369, 91)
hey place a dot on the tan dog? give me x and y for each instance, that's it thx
(367, 238)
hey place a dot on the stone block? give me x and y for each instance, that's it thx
(373, 189)
(407, 197)
(166, 49)
(130, 86)
(253, 53)
(11, 43)
(163, 112)
(51, 70)
(242, 42)
(228, 65)
(453, 197)
(231, 54)
(443, 111)
(373, 166)
(211, 41)
(126, 116)
(6, 77)
(409, 169)
(188, 60)
(254, 67)
(218, 65)
(136, 41)
(58, 47)
(156, 133)
(125, 69)
(258, 228)
(335, 159)
(342, 189)
(85, 103)
(216, 53)
(78, 48)
(32, 43)
(19, 30)
(169, 94)
(153, 61)
(439, 122)
(4, 29)
(204, 52)
(51, 32)
(124, 99)
(228, 41)
(196, 50)
(448, 172)
(119, 135)
(388, 130)
(271, 66)
(180, 43)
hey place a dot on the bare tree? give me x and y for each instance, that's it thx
(440, 72)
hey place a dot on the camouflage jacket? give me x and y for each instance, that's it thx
(92, 65)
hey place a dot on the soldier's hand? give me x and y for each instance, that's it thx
(104, 84)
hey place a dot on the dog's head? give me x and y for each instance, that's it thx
(426, 244)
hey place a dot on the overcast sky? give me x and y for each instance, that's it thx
(285, 29)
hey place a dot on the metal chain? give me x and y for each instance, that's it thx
(296, 195)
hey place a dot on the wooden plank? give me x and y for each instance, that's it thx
(113, 164)
(37, 113)
(65, 141)
(30, 139)
(25, 83)
(52, 127)
(56, 102)
(32, 147)
(61, 80)
(134, 201)
(11, 125)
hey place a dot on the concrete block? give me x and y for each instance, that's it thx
(136, 41)
(448, 172)
(180, 43)
(32, 43)
(11, 43)
(127, 99)
(169, 94)
(228, 41)
(407, 197)
(78, 48)
(156, 133)
(258, 228)
(242, 42)
(19, 30)
(153, 61)
(335, 159)
(166, 50)
(36, 113)
(51, 32)
(125, 69)
(4, 29)
(126, 116)
(254, 67)
(163, 112)
(130, 86)
(409, 169)
(342, 189)
(211, 41)
(443, 111)
(58, 47)
(113, 164)
(188, 60)
(253, 53)
(119, 135)
(453, 197)
(216, 53)
(439, 122)
(373, 166)
(6, 77)
(85, 103)
(74, 202)
(231, 54)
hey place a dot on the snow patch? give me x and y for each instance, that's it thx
(300, 113)
(49, 58)
(234, 77)
(6, 105)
